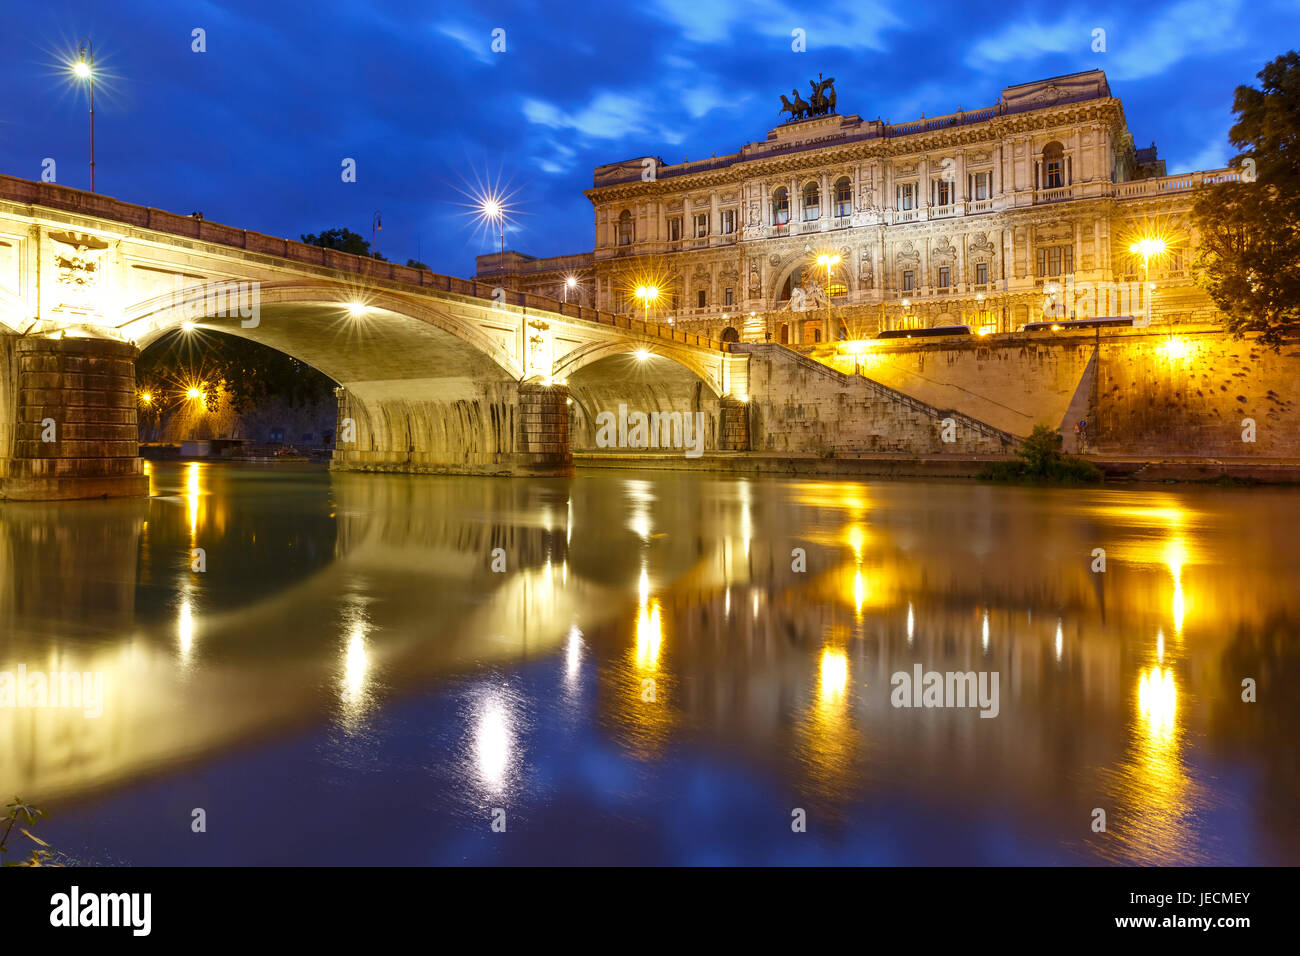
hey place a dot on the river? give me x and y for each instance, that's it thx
(296, 666)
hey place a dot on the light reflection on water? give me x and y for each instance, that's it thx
(606, 675)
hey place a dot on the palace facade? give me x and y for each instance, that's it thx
(837, 227)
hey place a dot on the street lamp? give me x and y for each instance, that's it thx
(647, 294)
(84, 69)
(1147, 247)
(376, 222)
(830, 262)
(570, 282)
(491, 209)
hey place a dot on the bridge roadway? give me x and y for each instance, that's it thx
(436, 374)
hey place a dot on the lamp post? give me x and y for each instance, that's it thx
(647, 294)
(569, 283)
(1146, 248)
(376, 222)
(85, 69)
(830, 262)
(491, 209)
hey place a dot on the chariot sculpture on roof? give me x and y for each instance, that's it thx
(820, 102)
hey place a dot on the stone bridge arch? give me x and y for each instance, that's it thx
(313, 323)
(425, 385)
(624, 379)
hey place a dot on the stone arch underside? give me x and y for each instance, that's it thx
(422, 389)
(657, 384)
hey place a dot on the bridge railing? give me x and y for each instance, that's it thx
(54, 196)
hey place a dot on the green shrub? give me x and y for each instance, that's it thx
(1040, 459)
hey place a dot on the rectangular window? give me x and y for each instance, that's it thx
(1055, 260)
(701, 225)
(909, 280)
(983, 185)
(674, 228)
(905, 196)
(728, 221)
(702, 297)
(945, 277)
(1055, 174)
(981, 273)
(781, 209)
(843, 198)
(811, 205)
(729, 294)
(942, 191)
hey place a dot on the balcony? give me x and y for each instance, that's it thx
(1163, 185)
(1056, 194)
(907, 215)
(976, 206)
(943, 212)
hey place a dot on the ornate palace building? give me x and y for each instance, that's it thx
(991, 218)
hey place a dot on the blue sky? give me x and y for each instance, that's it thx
(253, 131)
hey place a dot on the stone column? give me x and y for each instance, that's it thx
(543, 431)
(69, 408)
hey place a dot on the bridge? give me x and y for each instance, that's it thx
(436, 374)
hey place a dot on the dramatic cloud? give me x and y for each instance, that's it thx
(252, 132)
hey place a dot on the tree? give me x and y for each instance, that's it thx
(414, 264)
(1249, 253)
(344, 240)
(248, 372)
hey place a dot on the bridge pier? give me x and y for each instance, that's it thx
(453, 427)
(68, 419)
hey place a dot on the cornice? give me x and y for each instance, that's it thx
(989, 132)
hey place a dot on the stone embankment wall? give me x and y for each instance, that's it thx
(1162, 393)
(802, 406)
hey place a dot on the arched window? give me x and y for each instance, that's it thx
(729, 334)
(780, 207)
(843, 196)
(811, 203)
(1053, 165)
(625, 228)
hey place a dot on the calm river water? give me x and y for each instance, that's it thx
(656, 675)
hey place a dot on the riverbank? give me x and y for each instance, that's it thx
(1245, 470)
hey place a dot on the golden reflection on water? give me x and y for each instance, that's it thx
(355, 682)
(642, 684)
(1175, 558)
(573, 656)
(1155, 797)
(193, 491)
(830, 746)
(833, 678)
(185, 628)
(649, 636)
(494, 743)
